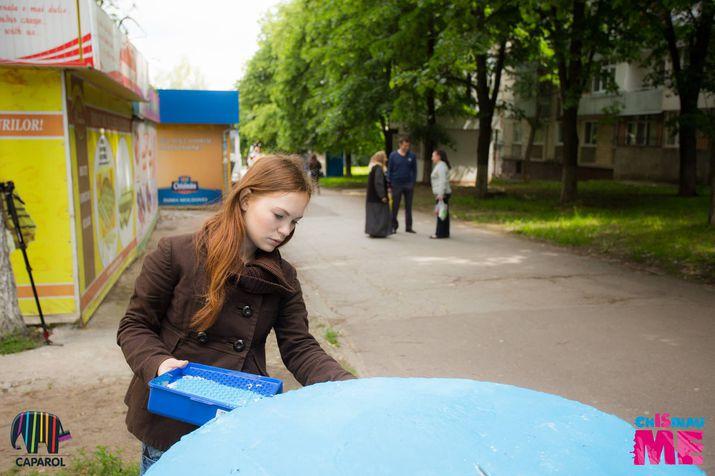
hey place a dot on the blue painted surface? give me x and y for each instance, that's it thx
(178, 106)
(335, 165)
(198, 197)
(411, 426)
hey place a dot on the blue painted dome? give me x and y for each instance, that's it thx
(414, 426)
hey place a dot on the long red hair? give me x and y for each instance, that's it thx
(221, 236)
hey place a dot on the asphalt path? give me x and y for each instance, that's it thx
(493, 306)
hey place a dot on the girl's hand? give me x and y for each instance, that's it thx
(439, 197)
(171, 364)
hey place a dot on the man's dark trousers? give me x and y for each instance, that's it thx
(397, 191)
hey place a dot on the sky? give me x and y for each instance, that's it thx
(216, 36)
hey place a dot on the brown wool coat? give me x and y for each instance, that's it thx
(166, 295)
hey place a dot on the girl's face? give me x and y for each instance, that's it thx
(435, 157)
(270, 218)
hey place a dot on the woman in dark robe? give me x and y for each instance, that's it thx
(377, 208)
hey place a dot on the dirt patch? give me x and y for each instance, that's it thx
(93, 414)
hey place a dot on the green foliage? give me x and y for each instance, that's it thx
(101, 461)
(332, 76)
(679, 33)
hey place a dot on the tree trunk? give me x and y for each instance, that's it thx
(429, 143)
(711, 215)
(569, 179)
(348, 164)
(10, 318)
(526, 161)
(387, 134)
(483, 140)
(533, 124)
(688, 176)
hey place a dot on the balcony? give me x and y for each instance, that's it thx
(629, 103)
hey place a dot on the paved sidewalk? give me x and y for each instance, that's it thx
(492, 306)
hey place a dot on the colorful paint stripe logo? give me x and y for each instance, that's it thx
(38, 428)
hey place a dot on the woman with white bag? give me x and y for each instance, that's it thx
(442, 192)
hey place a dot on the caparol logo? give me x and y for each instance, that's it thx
(38, 428)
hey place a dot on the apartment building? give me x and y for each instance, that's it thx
(624, 132)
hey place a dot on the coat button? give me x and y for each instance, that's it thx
(247, 311)
(238, 346)
(202, 337)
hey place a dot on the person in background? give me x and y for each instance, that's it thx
(441, 189)
(315, 169)
(402, 175)
(254, 155)
(377, 210)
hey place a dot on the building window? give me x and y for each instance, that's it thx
(641, 132)
(671, 138)
(590, 133)
(604, 79)
(559, 134)
(516, 133)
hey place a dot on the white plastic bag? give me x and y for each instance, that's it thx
(441, 210)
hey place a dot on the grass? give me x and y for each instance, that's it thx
(641, 223)
(17, 342)
(636, 222)
(358, 179)
(100, 462)
(331, 335)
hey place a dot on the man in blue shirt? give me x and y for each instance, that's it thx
(401, 178)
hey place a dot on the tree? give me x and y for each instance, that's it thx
(681, 30)
(10, 318)
(533, 89)
(416, 84)
(315, 82)
(583, 35)
(473, 51)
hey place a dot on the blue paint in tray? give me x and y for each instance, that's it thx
(198, 393)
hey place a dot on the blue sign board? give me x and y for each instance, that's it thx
(182, 106)
(186, 192)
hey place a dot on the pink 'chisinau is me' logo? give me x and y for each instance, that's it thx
(665, 436)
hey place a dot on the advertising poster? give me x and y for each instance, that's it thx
(46, 32)
(103, 166)
(32, 155)
(147, 204)
(190, 169)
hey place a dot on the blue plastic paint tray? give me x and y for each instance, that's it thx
(197, 393)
